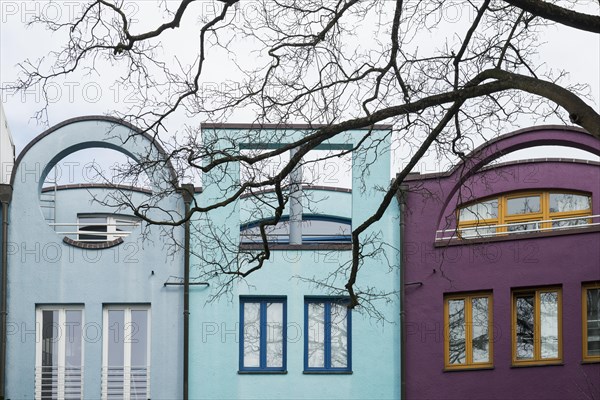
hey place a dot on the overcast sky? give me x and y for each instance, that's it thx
(565, 48)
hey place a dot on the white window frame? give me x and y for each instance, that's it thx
(111, 222)
(61, 348)
(127, 331)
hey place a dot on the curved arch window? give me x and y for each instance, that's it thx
(103, 227)
(524, 212)
(315, 229)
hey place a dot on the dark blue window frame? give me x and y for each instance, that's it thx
(263, 300)
(327, 302)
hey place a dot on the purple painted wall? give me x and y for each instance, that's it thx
(532, 260)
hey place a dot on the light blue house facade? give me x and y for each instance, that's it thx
(88, 313)
(285, 331)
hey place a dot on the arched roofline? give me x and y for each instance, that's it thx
(545, 135)
(100, 118)
(513, 141)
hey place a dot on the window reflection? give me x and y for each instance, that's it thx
(456, 322)
(592, 315)
(525, 326)
(480, 338)
(523, 205)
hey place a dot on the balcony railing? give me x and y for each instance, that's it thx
(94, 232)
(517, 228)
(53, 382)
(126, 383)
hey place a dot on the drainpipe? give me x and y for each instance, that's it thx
(401, 196)
(5, 198)
(188, 195)
(295, 202)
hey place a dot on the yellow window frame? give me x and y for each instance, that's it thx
(469, 364)
(537, 358)
(584, 322)
(543, 215)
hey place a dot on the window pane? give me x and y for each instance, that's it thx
(339, 336)
(274, 334)
(477, 231)
(316, 335)
(49, 369)
(73, 336)
(139, 338)
(484, 210)
(50, 337)
(73, 359)
(525, 326)
(116, 323)
(517, 227)
(456, 332)
(570, 222)
(251, 334)
(480, 335)
(523, 205)
(139, 354)
(549, 324)
(593, 321)
(562, 202)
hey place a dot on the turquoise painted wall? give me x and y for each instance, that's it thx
(214, 347)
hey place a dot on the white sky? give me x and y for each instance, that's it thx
(565, 48)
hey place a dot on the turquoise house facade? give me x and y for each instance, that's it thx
(88, 313)
(284, 332)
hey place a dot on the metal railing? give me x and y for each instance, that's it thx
(112, 230)
(488, 231)
(129, 383)
(53, 382)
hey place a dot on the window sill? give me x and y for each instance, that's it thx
(474, 368)
(301, 247)
(540, 364)
(262, 372)
(591, 361)
(516, 236)
(325, 372)
(92, 245)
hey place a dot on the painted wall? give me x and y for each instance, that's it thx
(7, 149)
(214, 347)
(565, 260)
(45, 271)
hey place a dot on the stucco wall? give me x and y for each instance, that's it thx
(497, 266)
(214, 347)
(45, 271)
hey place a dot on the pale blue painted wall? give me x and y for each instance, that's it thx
(44, 270)
(214, 347)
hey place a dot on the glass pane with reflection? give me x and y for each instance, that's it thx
(316, 335)
(339, 336)
(456, 331)
(483, 210)
(480, 334)
(523, 205)
(549, 324)
(274, 334)
(593, 321)
(525, 309)
(564, 202)
(251, 334)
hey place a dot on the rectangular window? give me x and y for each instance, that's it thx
(468, 325)
(59, 353)
(590, 303)
(327, 338)
(126, 353)
(537, 330)
(263, 334)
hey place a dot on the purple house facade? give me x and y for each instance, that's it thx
(501, 272)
